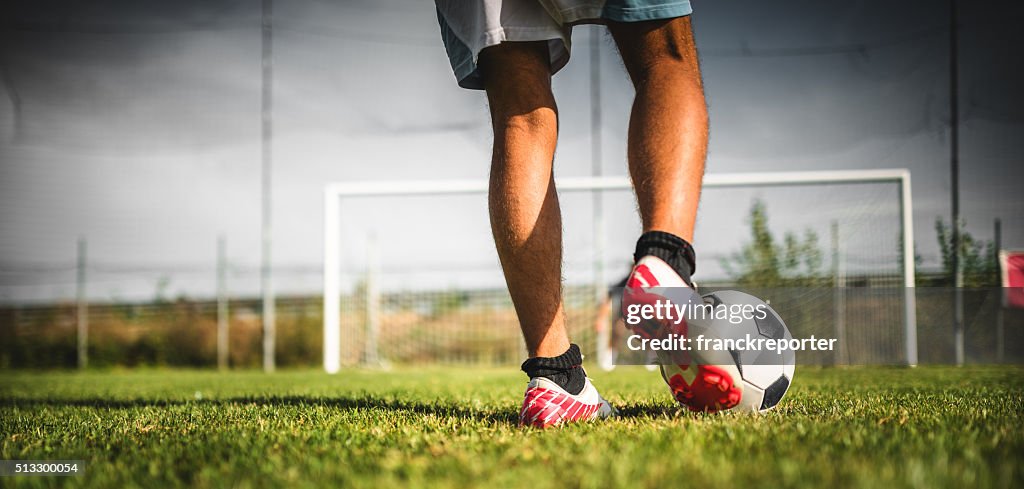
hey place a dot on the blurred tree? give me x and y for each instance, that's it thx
(764, 262)
(977, 257)
(448, 301)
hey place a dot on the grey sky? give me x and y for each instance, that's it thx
(137, 126)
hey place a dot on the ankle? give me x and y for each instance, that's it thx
(673, 250)
(566, 369)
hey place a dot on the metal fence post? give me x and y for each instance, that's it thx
(222, 304)
(83, 307)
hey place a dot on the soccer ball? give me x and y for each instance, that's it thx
(765, 374)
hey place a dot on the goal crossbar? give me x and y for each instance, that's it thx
(334, 192)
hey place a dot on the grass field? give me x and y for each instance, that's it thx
(865, 427)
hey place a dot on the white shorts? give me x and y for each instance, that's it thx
(469, 26)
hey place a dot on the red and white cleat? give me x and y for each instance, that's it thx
(546, 405)
(700, 380)
(653, 281)
(708, 388)
(649, 283)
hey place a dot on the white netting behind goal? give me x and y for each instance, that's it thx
(421, 282)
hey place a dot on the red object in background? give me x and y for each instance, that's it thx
(1012, 263)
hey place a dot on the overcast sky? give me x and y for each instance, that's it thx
(136, 125)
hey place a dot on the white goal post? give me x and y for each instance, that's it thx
(334, 192)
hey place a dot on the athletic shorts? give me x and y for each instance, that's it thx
(469, 26)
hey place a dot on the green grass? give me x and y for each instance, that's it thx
(866, 427)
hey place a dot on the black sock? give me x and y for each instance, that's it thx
(565, 370)
(671, 248)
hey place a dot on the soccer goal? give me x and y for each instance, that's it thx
(411, 276)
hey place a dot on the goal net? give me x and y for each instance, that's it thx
(411, 275)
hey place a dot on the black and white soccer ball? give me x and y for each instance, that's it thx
(765, 374)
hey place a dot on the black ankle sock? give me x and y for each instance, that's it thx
(565, 370)
(671, 248)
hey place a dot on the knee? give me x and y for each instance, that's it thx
(517, 79)
(538, 121)
(522, 105)
(657, 51)
(526, 109)
(668, 71)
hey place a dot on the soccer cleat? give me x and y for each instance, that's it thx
(546, 404)
(707, 388)
(650, 279)
(699, 380)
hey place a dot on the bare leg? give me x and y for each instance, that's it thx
(525, 217)
(668, 127)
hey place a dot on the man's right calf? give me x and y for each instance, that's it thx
(668, 126)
